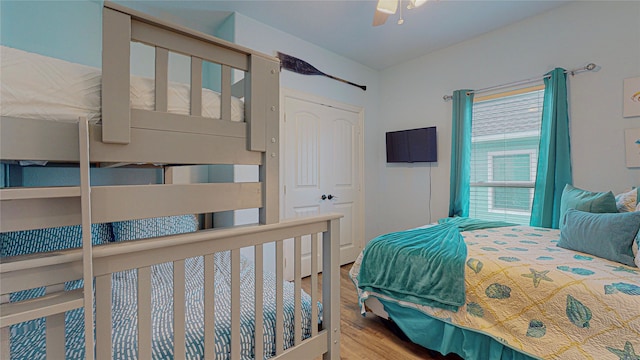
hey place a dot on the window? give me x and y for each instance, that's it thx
(504, 154)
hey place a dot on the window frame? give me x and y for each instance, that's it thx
(491, 184)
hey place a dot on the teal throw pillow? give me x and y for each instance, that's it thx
(608, 236)
(583, 200)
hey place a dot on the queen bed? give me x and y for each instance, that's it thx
(523, 298)
(187, 294)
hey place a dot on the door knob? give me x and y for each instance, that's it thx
(324, 197)
(331, 197)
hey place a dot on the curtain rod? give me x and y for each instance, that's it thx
(588, 67)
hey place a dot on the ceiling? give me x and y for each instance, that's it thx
(344, 26)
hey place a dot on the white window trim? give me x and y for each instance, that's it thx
(533, 163)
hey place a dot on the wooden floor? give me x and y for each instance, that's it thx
(368, 337)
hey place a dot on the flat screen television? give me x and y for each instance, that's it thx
(415, 145)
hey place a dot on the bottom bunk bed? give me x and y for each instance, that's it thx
(505, 292)
(286, 315)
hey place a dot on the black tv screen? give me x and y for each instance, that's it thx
(415, 145)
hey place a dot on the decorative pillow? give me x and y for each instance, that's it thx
(627, 201)
(51, 239)
(146, 228)
(593, 202)
(608, 236)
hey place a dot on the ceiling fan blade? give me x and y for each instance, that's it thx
(379, 18)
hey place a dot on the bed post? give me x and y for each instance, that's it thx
(263, 118)
(331, 288)
(116, 49)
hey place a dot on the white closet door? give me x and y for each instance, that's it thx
(322, 172)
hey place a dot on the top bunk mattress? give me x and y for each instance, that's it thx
(34, 86)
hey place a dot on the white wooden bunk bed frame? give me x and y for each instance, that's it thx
(140, 136)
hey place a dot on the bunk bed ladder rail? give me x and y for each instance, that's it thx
(87, 248)
(57, 301)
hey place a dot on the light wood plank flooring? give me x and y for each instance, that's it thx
(368, 337)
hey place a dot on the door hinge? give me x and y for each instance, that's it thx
(285, 190)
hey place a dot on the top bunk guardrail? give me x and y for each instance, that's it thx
(157, 136)
(122, 25)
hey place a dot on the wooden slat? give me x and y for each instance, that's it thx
(331, 288)
(257, 103)
(314, 284)
(149, 34)
(56, 303)
(195, 124)
(209, 307)
(161, 79)
(310, 349)
(235, 304)
(225, 93)
(297, 271)
(279, 299)
(55, 336)
(116, 49)
(42, 276)
(4, 343)
(39, 192)
(196, 86)
(54, 332)
(166, 147)
(144, 313)
(179, 323)
(259, 305)
(17, 134)
(39, 213)
(103, 317)
(116, 203)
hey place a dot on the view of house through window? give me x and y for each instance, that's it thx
(504, 154)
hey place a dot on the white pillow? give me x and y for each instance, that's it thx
(627, 201)
(634, 248)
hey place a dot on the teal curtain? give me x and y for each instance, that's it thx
(460, 153)
(554, 154)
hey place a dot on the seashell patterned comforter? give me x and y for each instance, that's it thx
(542, 300)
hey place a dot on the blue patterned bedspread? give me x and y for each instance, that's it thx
(28, 341)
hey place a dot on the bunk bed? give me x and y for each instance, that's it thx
(523, 297)
(126, 135)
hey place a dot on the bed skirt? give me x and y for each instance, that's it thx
(446, 338)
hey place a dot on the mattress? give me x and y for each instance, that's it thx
(532, 296)
(40, 87)
(28, 339)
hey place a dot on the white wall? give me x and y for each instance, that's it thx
(604, 32)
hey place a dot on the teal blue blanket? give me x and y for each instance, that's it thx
(423, 266)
